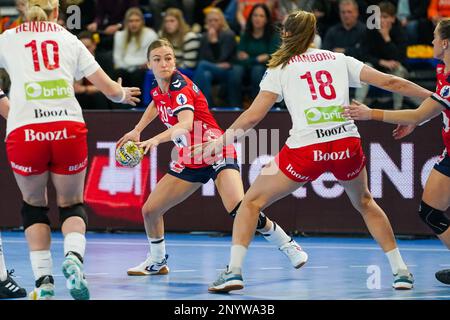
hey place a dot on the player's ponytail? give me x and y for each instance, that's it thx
(444, 28)
(297, 36)
(40, 10)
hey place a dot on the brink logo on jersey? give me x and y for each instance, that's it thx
(31, 135)
(39, 113)
(48, 90)
(338, 155)
(319, 115)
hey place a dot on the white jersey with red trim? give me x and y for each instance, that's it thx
(42, 60)
(442, 95)
(315, 87)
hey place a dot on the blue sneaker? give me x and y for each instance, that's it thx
(229, 280)
(72, 269)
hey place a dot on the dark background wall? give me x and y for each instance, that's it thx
(115, 195)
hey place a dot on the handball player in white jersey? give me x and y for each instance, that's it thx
(315, 86)
(46, 136)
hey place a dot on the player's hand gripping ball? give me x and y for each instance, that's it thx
(129, 154)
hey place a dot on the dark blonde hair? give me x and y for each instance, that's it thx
(217, 11)
(40, 10)
(443, 28)
(134, 12)
(177, 38)
(297, 36)
(158, 44)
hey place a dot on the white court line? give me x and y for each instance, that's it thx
(273, 268)
(317, 267)
(183, 270)
(424, 297)
(227, 245)
(444, 265)
(86, 274)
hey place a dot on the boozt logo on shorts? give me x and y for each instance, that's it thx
(338, 155)
(46, 90)
(322, 133)
(39, 113)
(297, 175)
(21, 168)
(319, 115)
(78, 166)
(31, 135)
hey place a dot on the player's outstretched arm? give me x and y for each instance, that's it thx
(393, 83)
(114, 90)
(429, 109)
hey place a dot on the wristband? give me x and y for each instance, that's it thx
(377, 114)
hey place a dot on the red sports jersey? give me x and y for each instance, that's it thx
(183, 94)
(442, 95)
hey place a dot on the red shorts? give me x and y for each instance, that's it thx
(344, 158)
(59, 147)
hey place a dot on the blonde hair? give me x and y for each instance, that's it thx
(177, 38)
(223, 21)
(40, 10)
(162, 42)
(133, 12)
(297, 36)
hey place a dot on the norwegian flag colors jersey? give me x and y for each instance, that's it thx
(42, 59)
(183, 94)
(315, 87)
(442, 95)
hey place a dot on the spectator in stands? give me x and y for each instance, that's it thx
(9, 23)
(130, 48)
(185, 42)
(86, 93)
(385, 49)
(437, 10)
(412, 15)
(158, 8)
(346, 36)
(256, 45)
(217, 51)
(245, 7)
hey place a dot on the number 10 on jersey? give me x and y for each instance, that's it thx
(45, 47)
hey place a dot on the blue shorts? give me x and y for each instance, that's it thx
(202, 175)
(443, 164)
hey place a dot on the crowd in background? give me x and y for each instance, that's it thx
(224, 45)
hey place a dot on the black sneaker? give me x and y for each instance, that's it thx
(443, 276)
(9, 289)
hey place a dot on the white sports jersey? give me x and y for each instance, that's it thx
(42, 60)
(315, 87)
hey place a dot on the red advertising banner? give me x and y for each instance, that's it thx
(397, 172)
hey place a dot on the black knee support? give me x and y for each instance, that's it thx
(435, 219)
(32, 215)
(262, 219)
(77, 210)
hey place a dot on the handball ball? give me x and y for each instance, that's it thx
(129, 154)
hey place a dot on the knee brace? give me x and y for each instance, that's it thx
(77, 210)
(435, 219)
(262, 219)
(32, 215)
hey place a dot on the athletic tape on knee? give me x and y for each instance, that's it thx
(77, 210)
(435, 219)
(32, 215)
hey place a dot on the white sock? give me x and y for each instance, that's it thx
(237, 256)
(276, 236)
(396, 261)
(75, 242)
(3, 272)
(41, 263)
(157, 249)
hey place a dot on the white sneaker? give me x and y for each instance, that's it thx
(294, 252)
(403, 280)
(45, 290)
(150, 267)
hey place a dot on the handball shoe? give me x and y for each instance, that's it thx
(72, 269)
(228, 280)
(150, 267)
(294, 252)
(45, 289)
(9, 289)
(403, 280)
(443, 276)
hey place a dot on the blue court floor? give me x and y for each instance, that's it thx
(338, 268)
